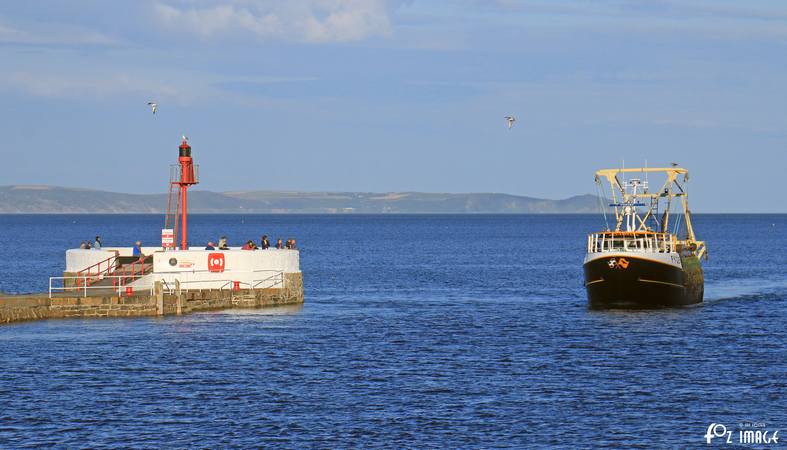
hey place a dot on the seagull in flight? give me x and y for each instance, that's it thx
(153, 106)
(674, 164)
(511, 120)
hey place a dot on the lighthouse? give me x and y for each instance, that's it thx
(182, 176)
(186, 179)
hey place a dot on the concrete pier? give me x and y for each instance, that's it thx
(16, 308)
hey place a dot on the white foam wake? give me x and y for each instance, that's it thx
(735, 288)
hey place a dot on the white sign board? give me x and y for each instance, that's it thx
(168, 238)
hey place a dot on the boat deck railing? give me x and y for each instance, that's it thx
(632, 241)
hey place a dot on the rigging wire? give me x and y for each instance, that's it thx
(600, 196)
(677, 227)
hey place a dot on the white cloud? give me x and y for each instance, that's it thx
(314, 21)
(167, 87)
(9, 35)
(88, 85)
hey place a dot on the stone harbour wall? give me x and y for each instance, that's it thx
(16, 308)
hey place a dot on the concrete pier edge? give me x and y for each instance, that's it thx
(17, 308)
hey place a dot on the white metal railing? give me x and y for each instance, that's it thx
(277, 278)
(259, 279)
(632, 242)
(251, 278)
(83, 288)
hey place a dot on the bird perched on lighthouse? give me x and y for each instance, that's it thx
(153, 106)
(511, 120)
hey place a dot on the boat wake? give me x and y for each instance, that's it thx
(746, 287)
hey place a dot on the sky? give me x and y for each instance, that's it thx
(397, 95)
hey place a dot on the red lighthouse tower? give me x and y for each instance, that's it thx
(182, 175)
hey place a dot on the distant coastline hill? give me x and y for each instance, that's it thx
(62, 200)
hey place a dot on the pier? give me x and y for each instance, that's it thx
(156, 281)
(16, 308)
(110, 288)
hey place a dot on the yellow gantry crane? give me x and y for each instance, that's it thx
(630, 195)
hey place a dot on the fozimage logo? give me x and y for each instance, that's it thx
(753, 434)
(717, 430)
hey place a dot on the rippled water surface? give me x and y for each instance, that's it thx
(417, 331)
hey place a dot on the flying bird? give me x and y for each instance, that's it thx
(153, 106)
(511, 120)
(674, 164)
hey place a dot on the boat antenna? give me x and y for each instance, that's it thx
(623, 171)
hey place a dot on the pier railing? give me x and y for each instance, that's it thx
(84, 286)
(250, 279)
(97, 271)
(639, 241)
(113, 269)
(257, 279)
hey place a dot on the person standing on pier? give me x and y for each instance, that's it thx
(138, 251)
(97, 243)
(264, 242)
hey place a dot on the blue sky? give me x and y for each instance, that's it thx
(377, 95)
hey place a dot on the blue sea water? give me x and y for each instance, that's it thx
(417, 331)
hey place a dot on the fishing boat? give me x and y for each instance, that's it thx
(647, 258)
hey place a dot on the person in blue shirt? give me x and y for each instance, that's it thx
(138, 251)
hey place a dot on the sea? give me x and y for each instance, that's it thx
(417, 331)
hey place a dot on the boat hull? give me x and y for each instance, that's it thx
(629, 281)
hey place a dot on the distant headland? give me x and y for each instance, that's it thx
(37, 199)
